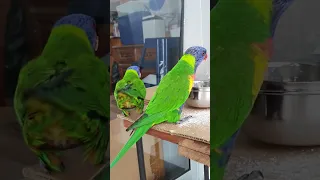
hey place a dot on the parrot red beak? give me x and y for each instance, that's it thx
(205, 57)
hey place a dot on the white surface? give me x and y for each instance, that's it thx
(114, 4)
(153, 28)
(175, 32)
(170, 11)
(197, 31)
(169, 7)
(150, 79)
(130, 7)
(298, 31)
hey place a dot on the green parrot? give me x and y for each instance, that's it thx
(130, 91)
(62, 97)
(241, 45)
(167, 102)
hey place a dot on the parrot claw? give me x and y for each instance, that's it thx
(184, 119)
(254, 175)
(49, 170)
(125, 114)
(131, 132)
(43, 166)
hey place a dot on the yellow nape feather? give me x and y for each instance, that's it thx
(264, 7)
(65, 29)
(191, 80)
(132, 71)
(191, 60)
(260, 60)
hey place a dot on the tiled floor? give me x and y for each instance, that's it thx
(276, 162)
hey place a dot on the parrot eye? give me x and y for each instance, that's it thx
(204, 53)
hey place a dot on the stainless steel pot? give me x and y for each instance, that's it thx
(287, 112)
(200, 95)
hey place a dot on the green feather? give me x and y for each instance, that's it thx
(171, 93)
(62, 99)
(235, 26)
(130, 92)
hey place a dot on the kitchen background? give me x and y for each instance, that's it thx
(298, 32)
(27, 24)
(156, 19)
(163, 29)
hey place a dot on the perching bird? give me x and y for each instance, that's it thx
(167, 102)
(241, 42)
(62, 96)
(130, 91)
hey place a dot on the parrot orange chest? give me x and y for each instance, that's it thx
(191, 80)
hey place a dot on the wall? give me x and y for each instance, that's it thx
(298, 31)
(197, 31)
(114, 4)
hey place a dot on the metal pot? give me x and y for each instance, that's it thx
(287, 112)
(200, 95)
(293, 72)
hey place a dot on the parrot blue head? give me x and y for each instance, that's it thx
(200, 53)
(85, 22)
(136, 68)
(279, 7)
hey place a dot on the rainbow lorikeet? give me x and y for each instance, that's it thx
(167, 102)
(241, 45)
(62, 96)
(130, 91)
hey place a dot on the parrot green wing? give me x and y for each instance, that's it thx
(72, 92)
(235, 28)
(24, 82)
(130, 92)
(72, 88)
(174, 88)
(138, 89)
(133, 87)
(69, 76)
(172, 91)
(65, 91)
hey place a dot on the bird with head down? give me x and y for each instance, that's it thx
(130, 91)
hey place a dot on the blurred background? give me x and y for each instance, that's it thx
(25, 27)
(154, 34)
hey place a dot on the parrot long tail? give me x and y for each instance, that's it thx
(139, 132)
(217, 171)
(220, 157)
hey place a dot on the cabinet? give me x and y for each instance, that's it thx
(126, 55)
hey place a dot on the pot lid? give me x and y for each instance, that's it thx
(293, 72)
